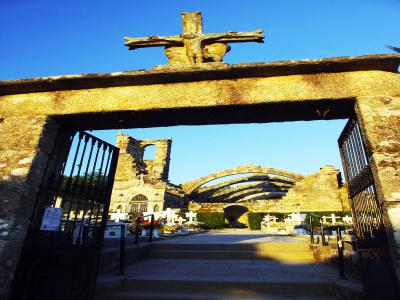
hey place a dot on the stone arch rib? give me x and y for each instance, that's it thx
(191, 186)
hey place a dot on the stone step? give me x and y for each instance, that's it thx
(290, 256)
(230, 287)
(133, 295)
(217, 277)
(232, 247)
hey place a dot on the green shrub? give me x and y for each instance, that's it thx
(182, 212)
(280, 217)
(255, 219)
(211, 220)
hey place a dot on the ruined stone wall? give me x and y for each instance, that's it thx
(24, 151)
(136, 176)
(317, 192)
(158, 168)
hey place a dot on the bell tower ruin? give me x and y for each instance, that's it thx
(142, 184)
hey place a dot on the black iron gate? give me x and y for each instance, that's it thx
(61, 252)
(366, 211)
(377, 271)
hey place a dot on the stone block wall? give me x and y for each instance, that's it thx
(317, 192)
(24, 151)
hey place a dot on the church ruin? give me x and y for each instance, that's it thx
(142, 185)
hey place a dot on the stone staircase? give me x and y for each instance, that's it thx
(295, 252)
(238, 271)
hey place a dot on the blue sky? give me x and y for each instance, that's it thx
(47, 38)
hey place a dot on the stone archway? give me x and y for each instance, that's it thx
(234, 213)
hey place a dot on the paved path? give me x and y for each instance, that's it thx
(254, 270)
(232, 236)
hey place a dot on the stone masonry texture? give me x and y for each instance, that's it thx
(24, 149)
(380, 121)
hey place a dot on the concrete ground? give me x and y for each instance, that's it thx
(234, 236)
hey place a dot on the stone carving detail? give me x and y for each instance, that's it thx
(193, 46)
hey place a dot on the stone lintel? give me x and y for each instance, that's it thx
(383, 62)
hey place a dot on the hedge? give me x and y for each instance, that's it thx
(211, 220)
(255, 220)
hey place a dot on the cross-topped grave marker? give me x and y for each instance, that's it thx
(191, 215)
(118, 216)
(193, 46)
(269, 218)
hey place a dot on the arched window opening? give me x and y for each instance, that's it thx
(139, 198)
(156, 208)
(149, 152)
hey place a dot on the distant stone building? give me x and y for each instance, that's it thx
(142, 185)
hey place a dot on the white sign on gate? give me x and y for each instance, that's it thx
(51, 219)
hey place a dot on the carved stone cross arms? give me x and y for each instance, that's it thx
(193, 46)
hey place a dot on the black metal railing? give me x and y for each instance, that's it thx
(139, 228)
(311, 218)
(340, 250)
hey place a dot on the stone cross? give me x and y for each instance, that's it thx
(269, 218)
(193, 46)
(296, 217)
(170, 215)
(348, 220)
(118, 215)
(180, 220)
(333, 218)
(191, 215)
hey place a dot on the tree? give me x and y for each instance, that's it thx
(395, 49)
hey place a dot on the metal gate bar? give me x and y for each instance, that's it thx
(366, 210)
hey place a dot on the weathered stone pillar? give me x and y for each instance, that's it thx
(380, 122)
(25, 144)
